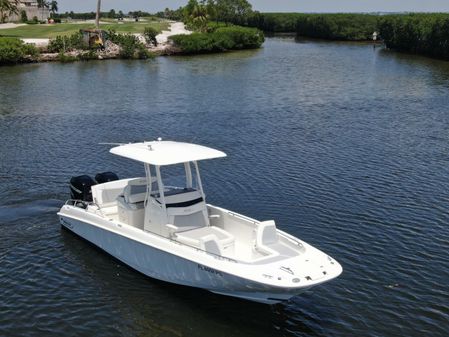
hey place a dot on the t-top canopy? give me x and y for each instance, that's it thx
(161, 153)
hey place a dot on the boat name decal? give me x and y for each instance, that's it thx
(209, 270)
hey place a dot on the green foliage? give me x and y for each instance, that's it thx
(351, 27)
(150, 35)
(112, 14)
(66, 43)
(421, 33)
(232, 11)
(222, 39)
(8, 7)
(274, 22)
(426, 34)
(199, 17)
(130, 47)
(65, 58)
(23, 16)
(175, 15)
(53, 6)
(13, 50)
(128, 44)
(88, 55)
(143, 53)
(213, 26)
(197, 13)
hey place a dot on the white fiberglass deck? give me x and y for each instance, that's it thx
(232, 228)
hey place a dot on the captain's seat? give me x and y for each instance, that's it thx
(131, 205)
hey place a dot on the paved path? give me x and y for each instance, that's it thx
(175, 29)
(11, 25)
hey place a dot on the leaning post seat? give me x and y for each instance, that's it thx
(105, 194)
(131, 205)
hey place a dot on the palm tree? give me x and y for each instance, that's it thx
(97, 16)
(199, 16)
(54, 6)
(8, 7)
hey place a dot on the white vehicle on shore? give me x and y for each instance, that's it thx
(170, 233)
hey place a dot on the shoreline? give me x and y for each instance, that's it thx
(111, 51)
(177, 40)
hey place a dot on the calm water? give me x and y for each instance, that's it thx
(345, 146)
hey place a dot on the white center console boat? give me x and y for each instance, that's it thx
(170, 233)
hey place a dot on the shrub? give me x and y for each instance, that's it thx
(339, 26)
(243, 38)
(65, 58)
(274, 22)
(426, 34)
(13, 50)
(23, 16)
(143, 53)
(66, 43)
(130, 47)
(223, 38)
(128, 44)
(88, 55)
(352, 27)
(150, 35)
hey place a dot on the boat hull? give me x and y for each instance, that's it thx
(164, 266)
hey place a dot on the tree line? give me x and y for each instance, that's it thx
(426, 34)
(419, 33)
(352, 27)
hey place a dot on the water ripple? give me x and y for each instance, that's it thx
(344, 146)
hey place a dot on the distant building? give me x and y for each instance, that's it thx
(31, 9)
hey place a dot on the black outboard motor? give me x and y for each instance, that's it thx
(105, 177)
(81, 188)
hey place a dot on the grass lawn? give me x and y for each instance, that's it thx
(50, 31)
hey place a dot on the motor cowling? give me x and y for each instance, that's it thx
(105, 177)
(81, 187)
